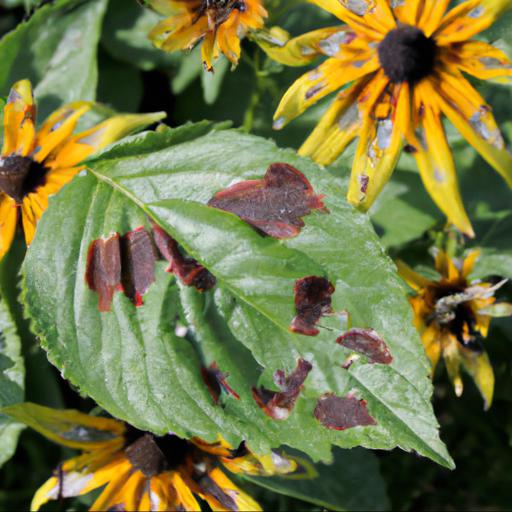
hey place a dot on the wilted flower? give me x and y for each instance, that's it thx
(404, 63)
(453, 316)
(37, 163)
(218, 24)
(142, 471)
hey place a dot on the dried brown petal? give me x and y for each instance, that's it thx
(216, 381)
(187, 270)
(103, 271)
(340, 413)
(312, 301)
(275, 204)
(279, 405)
(368, 343)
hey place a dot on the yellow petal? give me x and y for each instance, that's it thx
(69, 427)
(118, 491)
(185, 498)
(58, 127)
(232, 493)
(19, 120)
(304, 49)
(338, 126)
(207, 50)
(228, 39)
(483, 61)
(469, 262)
(431, 15)
(452, 360)
(446, 266)
(380, 144)
(8, 221)
(480, 369)
(84, 144)
(431, 339)
(468, 19)
(413, 279)
(408, 11)
(470, 114)
(318, 83)
(434, 158)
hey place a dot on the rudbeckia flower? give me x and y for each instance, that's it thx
(400, 67)
(141, 471)
(37, 163)
(453, 316)
(218, 24)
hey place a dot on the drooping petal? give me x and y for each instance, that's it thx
(223, 495)
(69, 427)
(413, 279)
(337, 128)
(432, 342)
(434, 158)
(483, 61)
(32, 209)
(8, 221)
(19, 120)
(304, 49)
(311, 87)
(84, 144)
(228, 39)
(380, 143)
(58, 127)
(468, 19)
(185, 498)
(470, 114)
(480, 369)
(452, 360)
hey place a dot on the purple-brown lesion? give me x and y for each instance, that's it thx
(368, 343)
(274, 205)
(340, 413)
(313, 297)
(278, 405)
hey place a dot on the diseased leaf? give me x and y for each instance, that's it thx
(340, 413)
(131, 361)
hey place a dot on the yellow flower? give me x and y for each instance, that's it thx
(400, 66)
(141, 471)
(453, 316)
(218, 24)
(36, 164)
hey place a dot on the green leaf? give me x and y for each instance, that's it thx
(56, 49)
(12, 375)
(132, 362)
(352, 482)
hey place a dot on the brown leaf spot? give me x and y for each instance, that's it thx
(273, 205)
(187, 270)
(279, 405)
(138, 257)
(103, 271)
(368, 343)
(216, 381)
(312, 301)
(124, 264)
(340, 413)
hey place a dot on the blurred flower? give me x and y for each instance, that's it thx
(37, 163)
(218, 24)
(404, 63)
(453, 316)
(141, 471)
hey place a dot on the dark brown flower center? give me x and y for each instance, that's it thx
(407, 54)
(20, 175)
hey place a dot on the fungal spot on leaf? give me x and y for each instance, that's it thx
(340, 413)
(103, 271)
(138, 257)
(368, 343)
(125, 264)
(216, 382)
(187, 270)
(278, 405)
(273, 205)
(312, 301)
